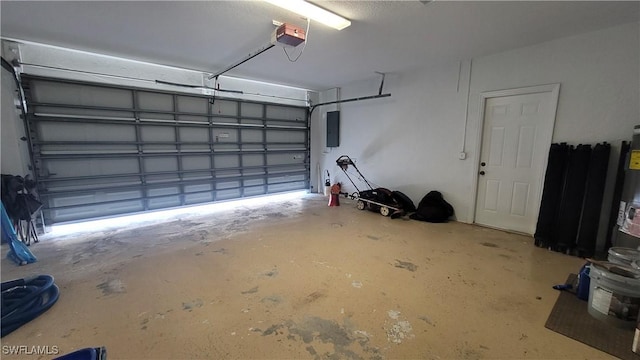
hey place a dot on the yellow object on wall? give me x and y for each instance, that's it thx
(634, 160)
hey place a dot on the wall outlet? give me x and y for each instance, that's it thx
(462, 155)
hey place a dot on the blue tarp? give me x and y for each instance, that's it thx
(19, 252)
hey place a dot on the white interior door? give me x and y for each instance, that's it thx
(516, 137)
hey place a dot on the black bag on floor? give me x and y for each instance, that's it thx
(405, 202)
(433, 208)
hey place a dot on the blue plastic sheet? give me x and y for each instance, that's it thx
(18, 252)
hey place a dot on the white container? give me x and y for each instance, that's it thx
(623, 256)
(613, 298)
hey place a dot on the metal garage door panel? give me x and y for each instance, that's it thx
(164, 202)
(194, 134)
(167, 190)
(85, 95)
(196, 162)
(154, 101)
(163, 197)
(227, 161)
(120, 150)
(223, 120)
(192, 105)
(286, 113)
(227, 185)
(157, 133)
(251, 109)
(286, 136)
(224, 107)
(198, 193)
(61, 168)
(154, 164)
(283, 146)
(192, 119)
(228, 194)
(93, 210)
(254, 190)
(286, 159)
(250, 135)
(224, 135)
(72, 207)
(90, 114)
(253, 160)
(259, 123)
(254, 182)
(168, 179)
(286, 186)
(90, 183)
(157, 118)
(60, 131)
(86, 148)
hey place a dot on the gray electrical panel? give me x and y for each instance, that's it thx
(333, 128)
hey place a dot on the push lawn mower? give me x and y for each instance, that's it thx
(384, 201)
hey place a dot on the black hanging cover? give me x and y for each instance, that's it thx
(596, 177)
(566, 230)
(551, 194)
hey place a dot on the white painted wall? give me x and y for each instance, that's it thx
(14, 152)
(410, 142)
(599, 73)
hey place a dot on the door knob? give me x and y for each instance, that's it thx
(481, 172)
(483, 163)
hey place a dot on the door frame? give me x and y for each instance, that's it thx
(554, 89)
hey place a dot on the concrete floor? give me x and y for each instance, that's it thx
(300, 280)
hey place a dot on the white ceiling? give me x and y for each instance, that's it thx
(385, 36)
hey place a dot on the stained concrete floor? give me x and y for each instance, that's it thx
(300, 280)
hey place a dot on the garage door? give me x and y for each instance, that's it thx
(103, 150)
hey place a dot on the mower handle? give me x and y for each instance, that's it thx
(344, 160)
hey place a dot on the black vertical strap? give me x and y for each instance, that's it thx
(590, 220)
(176, 135)
(143, 178)
(551, 194)
(212, 154)
(566, 229)
(307, 147)
(617, 193)
(241, 155)
(265, 158)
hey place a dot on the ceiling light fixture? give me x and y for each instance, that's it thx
(313, 12)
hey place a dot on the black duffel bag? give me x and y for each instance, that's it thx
(433, 208)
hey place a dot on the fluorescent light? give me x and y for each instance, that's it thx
(312, 12)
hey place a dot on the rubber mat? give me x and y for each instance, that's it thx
(570, 318)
